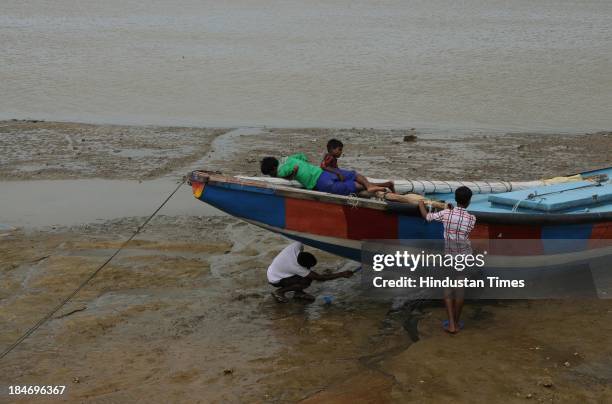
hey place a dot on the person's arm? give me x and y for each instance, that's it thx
(286, 171)
(295, 171)
(315, 276)
(430, 216)
(423, 209)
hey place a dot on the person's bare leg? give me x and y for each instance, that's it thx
(458, 304)
(388, 184)
(450, 311)
(374, 187)
(360, 179)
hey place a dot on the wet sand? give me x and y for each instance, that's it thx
(57, 150)
(52, 150)
(184, 314)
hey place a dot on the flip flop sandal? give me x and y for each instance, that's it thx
(279, 298)
(445, 324)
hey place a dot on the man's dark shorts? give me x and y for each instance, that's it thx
(329, 182)
(294, 280)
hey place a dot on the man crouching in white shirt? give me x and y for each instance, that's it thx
(290, 272)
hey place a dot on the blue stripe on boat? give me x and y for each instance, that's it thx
(247, 188)
(262, 207)
(566, 238)
(417, 228)
(568, 231)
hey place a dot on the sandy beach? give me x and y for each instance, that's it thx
(184, 313)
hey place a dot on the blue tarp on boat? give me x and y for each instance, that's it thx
(558, 197)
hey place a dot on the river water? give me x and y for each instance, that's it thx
(490, 64)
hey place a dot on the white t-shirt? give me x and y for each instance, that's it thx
(285, 264)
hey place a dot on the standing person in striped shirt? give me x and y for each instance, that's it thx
(458, 224)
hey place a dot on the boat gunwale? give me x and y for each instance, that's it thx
(297, 193)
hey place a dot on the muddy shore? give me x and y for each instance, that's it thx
(184, 314)
(54, 150)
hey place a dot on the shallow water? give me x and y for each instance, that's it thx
(72, 202)
(517, 65)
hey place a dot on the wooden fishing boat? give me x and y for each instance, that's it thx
(577, 208)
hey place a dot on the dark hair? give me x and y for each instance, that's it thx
(268, 165)
(463, 195)
(306, 259)
(334, 144)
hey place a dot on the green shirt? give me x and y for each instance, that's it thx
(307, 174)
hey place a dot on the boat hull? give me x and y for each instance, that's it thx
(339, 225)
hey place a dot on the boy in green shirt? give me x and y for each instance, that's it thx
(297, 167)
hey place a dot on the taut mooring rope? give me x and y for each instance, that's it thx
(88, 279)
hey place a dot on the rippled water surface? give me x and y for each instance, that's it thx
(516, 65)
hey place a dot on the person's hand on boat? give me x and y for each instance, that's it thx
(422, 209)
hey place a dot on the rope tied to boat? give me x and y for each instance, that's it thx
(353, 201)
(67, 299)
(516, 205)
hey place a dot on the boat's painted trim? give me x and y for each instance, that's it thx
(540, 257)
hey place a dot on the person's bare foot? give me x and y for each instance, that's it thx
(279, 297)
(304, 296)
(375, 188)
(450, 328)
(458, 324)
